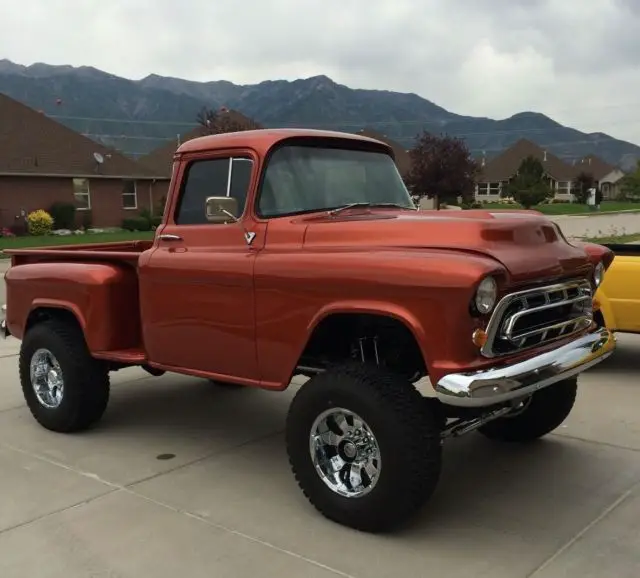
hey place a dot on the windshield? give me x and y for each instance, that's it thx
(302, 179)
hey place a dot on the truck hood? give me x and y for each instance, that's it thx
(529, 245)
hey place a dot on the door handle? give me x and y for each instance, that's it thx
(169, 237)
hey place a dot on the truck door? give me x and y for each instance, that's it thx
(196, 287)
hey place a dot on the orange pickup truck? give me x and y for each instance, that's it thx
(300, 252)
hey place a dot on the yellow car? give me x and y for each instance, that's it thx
(617, 300)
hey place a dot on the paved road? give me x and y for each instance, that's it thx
(104, 503)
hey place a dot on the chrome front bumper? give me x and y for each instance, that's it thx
(494, 386)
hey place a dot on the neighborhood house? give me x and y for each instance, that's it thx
(43, 162)
(496, 173)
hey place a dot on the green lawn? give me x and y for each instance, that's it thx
(53, 240)
(572, 208)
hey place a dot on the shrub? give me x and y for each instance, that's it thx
(39, 223)
(136, 224)
(64, 215)
(4, 232)
(144, 215)
(87, 220)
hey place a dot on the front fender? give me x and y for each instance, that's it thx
(429, 291)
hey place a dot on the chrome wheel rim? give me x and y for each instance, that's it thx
(345, 453)
(46, 378)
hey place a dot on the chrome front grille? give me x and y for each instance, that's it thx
(538, 316)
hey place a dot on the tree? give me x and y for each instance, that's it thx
(630, 184)
(529, 187)
(441, 167)
(581, 185)
(224, 120)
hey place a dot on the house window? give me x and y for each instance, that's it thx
(483, 188)
(129, 195)
(494, 188)
(564, 187)
(82, 194)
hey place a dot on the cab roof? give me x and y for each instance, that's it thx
(262, 140)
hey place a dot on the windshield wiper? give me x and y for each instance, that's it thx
(355, 205)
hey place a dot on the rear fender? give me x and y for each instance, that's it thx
(102, 297)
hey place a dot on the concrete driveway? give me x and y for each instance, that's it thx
(185, 479)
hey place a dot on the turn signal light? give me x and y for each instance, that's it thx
(479, 337)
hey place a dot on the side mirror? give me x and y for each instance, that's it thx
(221, 209)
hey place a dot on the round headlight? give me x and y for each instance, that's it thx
(598, 274)
(486, 295)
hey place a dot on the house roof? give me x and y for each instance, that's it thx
(595, 166)
(505, 165)
(160, 159)
(31, 143)
(403, 159)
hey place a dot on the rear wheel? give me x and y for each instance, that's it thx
(65, 388)
(363, 448)
(539, 415)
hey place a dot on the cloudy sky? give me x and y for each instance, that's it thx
(576, 61)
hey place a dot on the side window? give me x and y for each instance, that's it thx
(239, 181)
(212, 178)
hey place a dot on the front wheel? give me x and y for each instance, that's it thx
(539, 415)
(363, 448)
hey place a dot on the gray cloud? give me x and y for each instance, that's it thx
(574, 61)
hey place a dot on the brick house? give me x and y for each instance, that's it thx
(43, 161)
(496, 173)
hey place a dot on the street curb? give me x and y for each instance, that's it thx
(596, 214)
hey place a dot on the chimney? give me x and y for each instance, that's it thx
(545, 156)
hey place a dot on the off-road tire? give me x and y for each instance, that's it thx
(546, 410)
(86, 380)
(407, 431)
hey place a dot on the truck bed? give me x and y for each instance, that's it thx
(95, 283)
(127, 251)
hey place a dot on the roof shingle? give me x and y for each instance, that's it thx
(403, 159)
(595, 166)
(160, 159)
(505, 165)
(31, 143)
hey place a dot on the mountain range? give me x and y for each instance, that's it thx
(136, 116)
